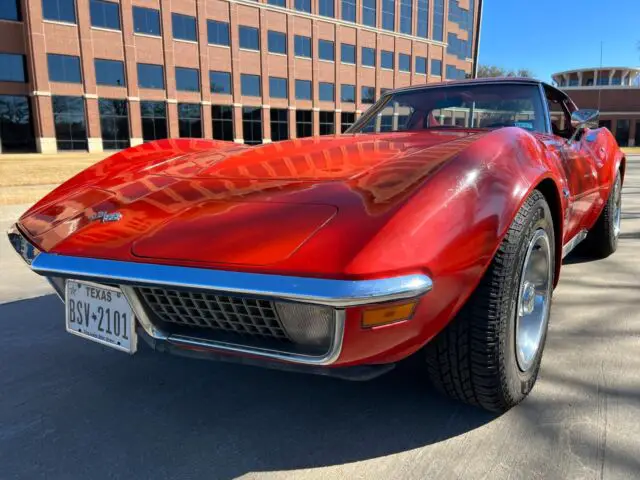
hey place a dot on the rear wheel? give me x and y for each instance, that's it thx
(490, 354)
(602, 239)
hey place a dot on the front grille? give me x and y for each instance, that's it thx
(244, 316)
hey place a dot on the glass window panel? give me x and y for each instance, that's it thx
(326, 50)
(302, 5)
(64, 68)
(105, 14)
(386, 59)
(304, 123)
(347, 53)
(406, 16)
(220, 82)
(278, 3)
(10, 10)
(250, 85)
(189, 120)
(279, 124)
(146, 20)
(277, 42)
(217, 32)
(348, 93)
(303, 89)
(326, 92)
(252, 125)
(150, 76)
(16, 127)
(249, 38)
(326, 8)
(436, 67)
(327, 123)
(59, 10)
(388, 14)
(368, 57)
(222, 117)
(346, 120)
(369, 12)
(278, 87)
(12, 68)
(114, 123)
(368, 94)
(421, 65)
(404, 62)
(154, 120)
(183, 27)
(302, 46)
(349, 10)
(109, 72)
(423, 19)
(187, 79)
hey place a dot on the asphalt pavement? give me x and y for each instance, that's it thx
(70, 408)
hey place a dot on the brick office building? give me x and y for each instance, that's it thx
(615, 91)
(94, 74)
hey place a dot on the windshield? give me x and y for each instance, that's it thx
(462, 106)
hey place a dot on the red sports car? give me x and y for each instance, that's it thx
(435, 228)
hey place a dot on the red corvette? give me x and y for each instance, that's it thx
(434, 228)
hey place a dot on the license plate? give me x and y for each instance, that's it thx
(101, 314)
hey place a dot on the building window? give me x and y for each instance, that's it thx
(187, 79)
(406, 16)
(438, 20)
(10, 10)
(423, 19)
(217, 32)
(603, 80)
(105, 14)
(404, 62)
(12, 68)
(368, 58)
(369, 12)
(421, 65)
(150, 76)
(146, 20)
(388, 14)
(436, 67)
(326, 50)
(249, 38)
(220, 82)
(154, 120)
(189, 120)
(304, 123)
(64, 68)
(386, 59)
(326, 92)
(347, 53)
(349, 10)
(278, 3)
(346, 120)
(327, 123)
(368, 94)
(574, 82)
(16, 128)
(326, 8)
(183, 27)
(303, 89)
(250, 85)
(302, 46)
(279, 124)
(616, 81)
(222, 118)
(277, 42)
(70, 122)
(109, 72)
(252, 125)
(59, 10)
(114, 123)
(348, 93)
(278, 87)
(622, 132)
(454, 73)
(302, 5)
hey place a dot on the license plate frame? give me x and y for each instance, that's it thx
(89, 334)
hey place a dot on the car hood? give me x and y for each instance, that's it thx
(217, 203)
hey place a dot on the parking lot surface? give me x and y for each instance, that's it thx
(74, 409)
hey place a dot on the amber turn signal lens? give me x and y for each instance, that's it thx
(374, 317)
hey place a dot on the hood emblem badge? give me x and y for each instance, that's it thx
(105, 217)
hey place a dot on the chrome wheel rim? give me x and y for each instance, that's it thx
(534, 300)
(617, 207)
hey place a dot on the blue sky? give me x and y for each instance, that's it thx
(548, 36)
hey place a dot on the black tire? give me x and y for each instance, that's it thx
(474, 358)
(602, 239)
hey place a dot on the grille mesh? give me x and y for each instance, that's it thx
(220, 312)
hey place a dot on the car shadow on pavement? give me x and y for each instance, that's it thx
(76, 407)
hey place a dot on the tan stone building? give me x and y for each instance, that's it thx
(615, 91)
(95, 74)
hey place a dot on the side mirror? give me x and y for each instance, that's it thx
(583, 119)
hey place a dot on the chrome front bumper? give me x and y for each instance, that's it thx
(338, 294)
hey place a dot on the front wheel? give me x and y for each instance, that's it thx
(490, 354)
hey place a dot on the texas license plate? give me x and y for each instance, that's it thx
(101, 314)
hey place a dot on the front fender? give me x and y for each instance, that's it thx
(452, 228)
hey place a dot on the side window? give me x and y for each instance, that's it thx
(560, 115)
